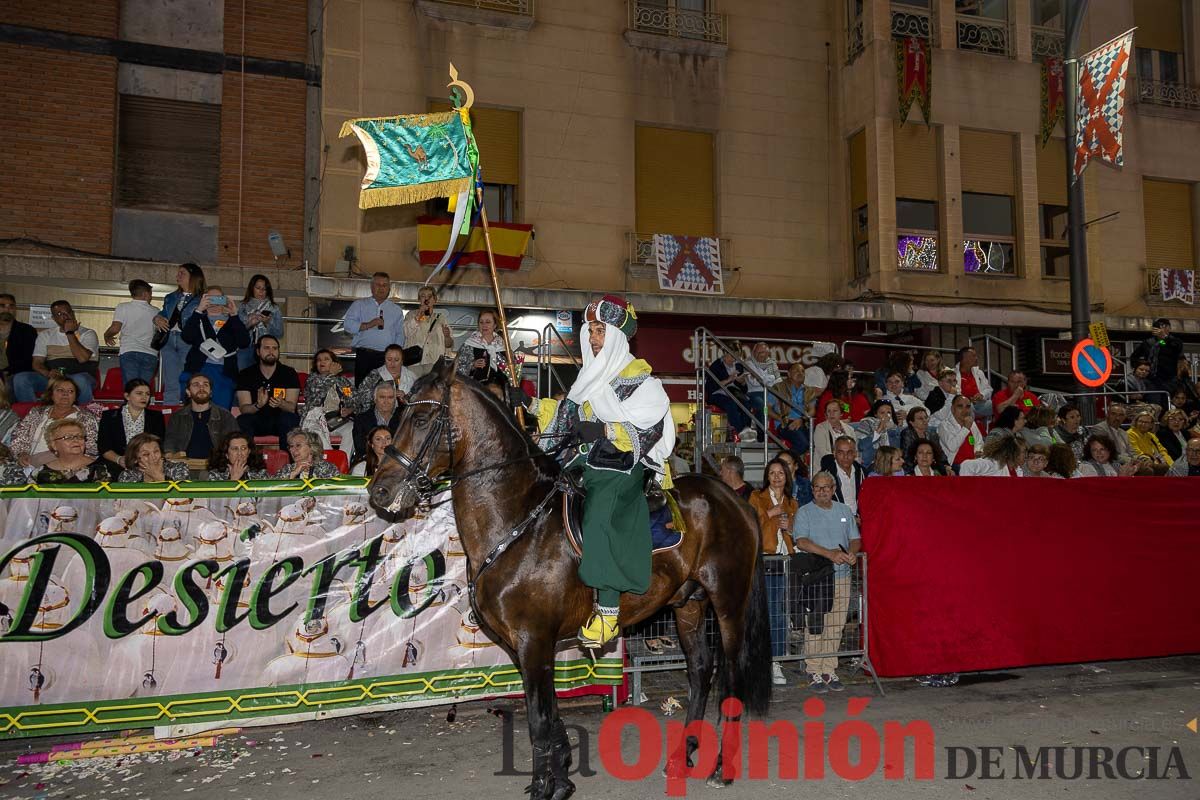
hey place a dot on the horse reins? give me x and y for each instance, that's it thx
(417, 476)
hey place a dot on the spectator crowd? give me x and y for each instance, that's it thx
(228, 408)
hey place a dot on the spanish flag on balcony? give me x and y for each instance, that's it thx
(509, 241)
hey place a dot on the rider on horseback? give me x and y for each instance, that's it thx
(621, 418)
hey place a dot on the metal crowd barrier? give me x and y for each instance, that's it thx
(825, 620)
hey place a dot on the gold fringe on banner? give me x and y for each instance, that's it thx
(422, 120)
(416, 193)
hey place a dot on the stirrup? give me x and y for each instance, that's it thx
(599, 630)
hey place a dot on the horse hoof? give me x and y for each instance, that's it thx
(715, 782)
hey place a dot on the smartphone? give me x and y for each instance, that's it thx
(218, 300)
(479, 353)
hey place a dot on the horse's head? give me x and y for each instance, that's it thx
(420, 451)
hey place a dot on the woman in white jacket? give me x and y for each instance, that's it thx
(829, 430)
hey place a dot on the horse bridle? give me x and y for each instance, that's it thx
(416, 469)
(417, 477)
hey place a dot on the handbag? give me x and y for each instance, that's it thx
(413, 355)
(160, 338)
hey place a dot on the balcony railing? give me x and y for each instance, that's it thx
(642, 263)
(983, 35)
(679, 23)
(521, 7)
(1172, 95)
(911, 21)
(1048, 42)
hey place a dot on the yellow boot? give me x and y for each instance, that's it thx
(601, 628)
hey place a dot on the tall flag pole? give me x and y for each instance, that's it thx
(417, 157)
(1076, 233)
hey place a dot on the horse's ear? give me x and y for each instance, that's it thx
(444, 369)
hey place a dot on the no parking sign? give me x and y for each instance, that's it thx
(1091, 363)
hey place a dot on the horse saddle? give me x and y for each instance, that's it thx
(666, 519)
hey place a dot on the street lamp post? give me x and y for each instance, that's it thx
(1076, 231)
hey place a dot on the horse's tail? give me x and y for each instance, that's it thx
(752, 672)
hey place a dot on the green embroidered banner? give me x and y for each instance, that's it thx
(415, 157)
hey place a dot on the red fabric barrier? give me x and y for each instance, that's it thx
(984, 573)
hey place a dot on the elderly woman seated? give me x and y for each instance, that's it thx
(925, 460)
(889, 462)
(1101, 461)
(308, 459)
(144, 462)
(877, 430)
(1148, 451)
(29, 442)
(69, 460)
(1172, 434)
(827, 432)
(1003, 457)
(236, 459)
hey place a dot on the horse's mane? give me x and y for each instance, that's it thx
(509, 434)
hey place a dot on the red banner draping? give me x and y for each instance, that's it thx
(969, 574)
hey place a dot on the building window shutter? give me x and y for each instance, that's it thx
(987, 163)
(498, 134)
(1052, 173)
(1167, 210)
(1159, 25)
(674, 181)
(858, 170)
(916, 157)
(168, 155)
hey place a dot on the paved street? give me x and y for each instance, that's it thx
(418, 753)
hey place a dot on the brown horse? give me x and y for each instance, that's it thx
(523, 573)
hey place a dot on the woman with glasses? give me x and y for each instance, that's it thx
(66, 441)
(29, 443)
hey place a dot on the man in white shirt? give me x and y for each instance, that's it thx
(959, 435)
(68, 348)
(133, 321)
(976, 386)
(375, 322)
(902, 403)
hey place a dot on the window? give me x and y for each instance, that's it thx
(989, 186)
(689, 19)
(168, 155)
(1052, 209)
(916, 168)
(1167, 211)
(990, 9)
(989, 246)
(916, 235)
(859, 212)
(1161, 66)
(498, 134)
(1056, 253)
(1048, 13)
(673, 181)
